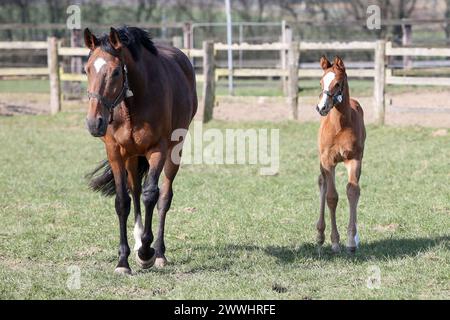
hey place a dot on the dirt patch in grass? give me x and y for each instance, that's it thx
(424, 109)
(428, 109)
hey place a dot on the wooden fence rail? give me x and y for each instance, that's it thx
(288, 71)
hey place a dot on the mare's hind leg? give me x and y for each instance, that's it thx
(134, 183)
(145, 256)
(354, 171)
(332, 201)
(164, 201)
(321, 222)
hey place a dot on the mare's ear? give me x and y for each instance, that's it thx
(114, 39)
(90, 40)
(339, 64)
(324, 63)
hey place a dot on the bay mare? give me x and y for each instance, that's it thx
(139, 93)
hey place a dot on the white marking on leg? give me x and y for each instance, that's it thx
(357, 239)
(329, 77)
(98, 64)
(137, 232)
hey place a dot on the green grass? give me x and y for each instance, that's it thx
(24, 86)
(249, 236)
(271, 88)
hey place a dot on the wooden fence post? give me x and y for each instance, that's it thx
(208, 81)
(76, 63)
(293, 57)
(53, 74)
(406, 41)
(187, 41)
(286, 40)
(380, 81)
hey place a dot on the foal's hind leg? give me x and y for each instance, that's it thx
(354, 171)
(164, 201)
(145, 256)
(134, 183)
(321, 222)
(332, 201)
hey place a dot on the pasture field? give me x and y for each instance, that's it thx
(243, 87)
(231, 233)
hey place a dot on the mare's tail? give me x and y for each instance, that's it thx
(101, 179)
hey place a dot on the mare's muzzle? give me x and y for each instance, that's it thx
(97, 126)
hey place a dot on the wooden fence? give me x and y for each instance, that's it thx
(289, 68)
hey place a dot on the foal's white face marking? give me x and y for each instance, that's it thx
(329, 77)
(99, 63)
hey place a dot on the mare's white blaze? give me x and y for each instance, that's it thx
(329, 77)
(99, 63)
(137, 233)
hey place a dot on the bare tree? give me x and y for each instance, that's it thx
(447, 25)
(146, 9)
(390, 10)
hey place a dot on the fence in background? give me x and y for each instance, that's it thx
(288, 71)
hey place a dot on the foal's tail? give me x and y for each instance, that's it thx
(101, 179)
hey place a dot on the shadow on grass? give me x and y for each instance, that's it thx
(376, 250)
(222, 257)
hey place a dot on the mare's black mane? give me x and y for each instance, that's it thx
(131, 37)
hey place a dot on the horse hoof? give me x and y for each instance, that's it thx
(351, 249)
(320, 239)
(335, 248)
(145, 264)
(160, 262)
(122, 270)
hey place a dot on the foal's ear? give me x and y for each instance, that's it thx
(114, 39)
(324, 63)
(90, 40)
(339, 63)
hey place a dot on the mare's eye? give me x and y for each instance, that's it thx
(115, 73)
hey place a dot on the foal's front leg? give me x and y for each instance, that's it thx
(354, 171)
(122, 204)
(146, 256)
(332, 201)
(321, 222)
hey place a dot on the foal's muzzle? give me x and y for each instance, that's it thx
(323, 112)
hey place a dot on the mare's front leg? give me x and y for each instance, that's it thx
(134, 182)
(354, 171)
(146, 256)
(122, 204)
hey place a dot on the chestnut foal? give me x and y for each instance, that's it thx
(341, 139)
